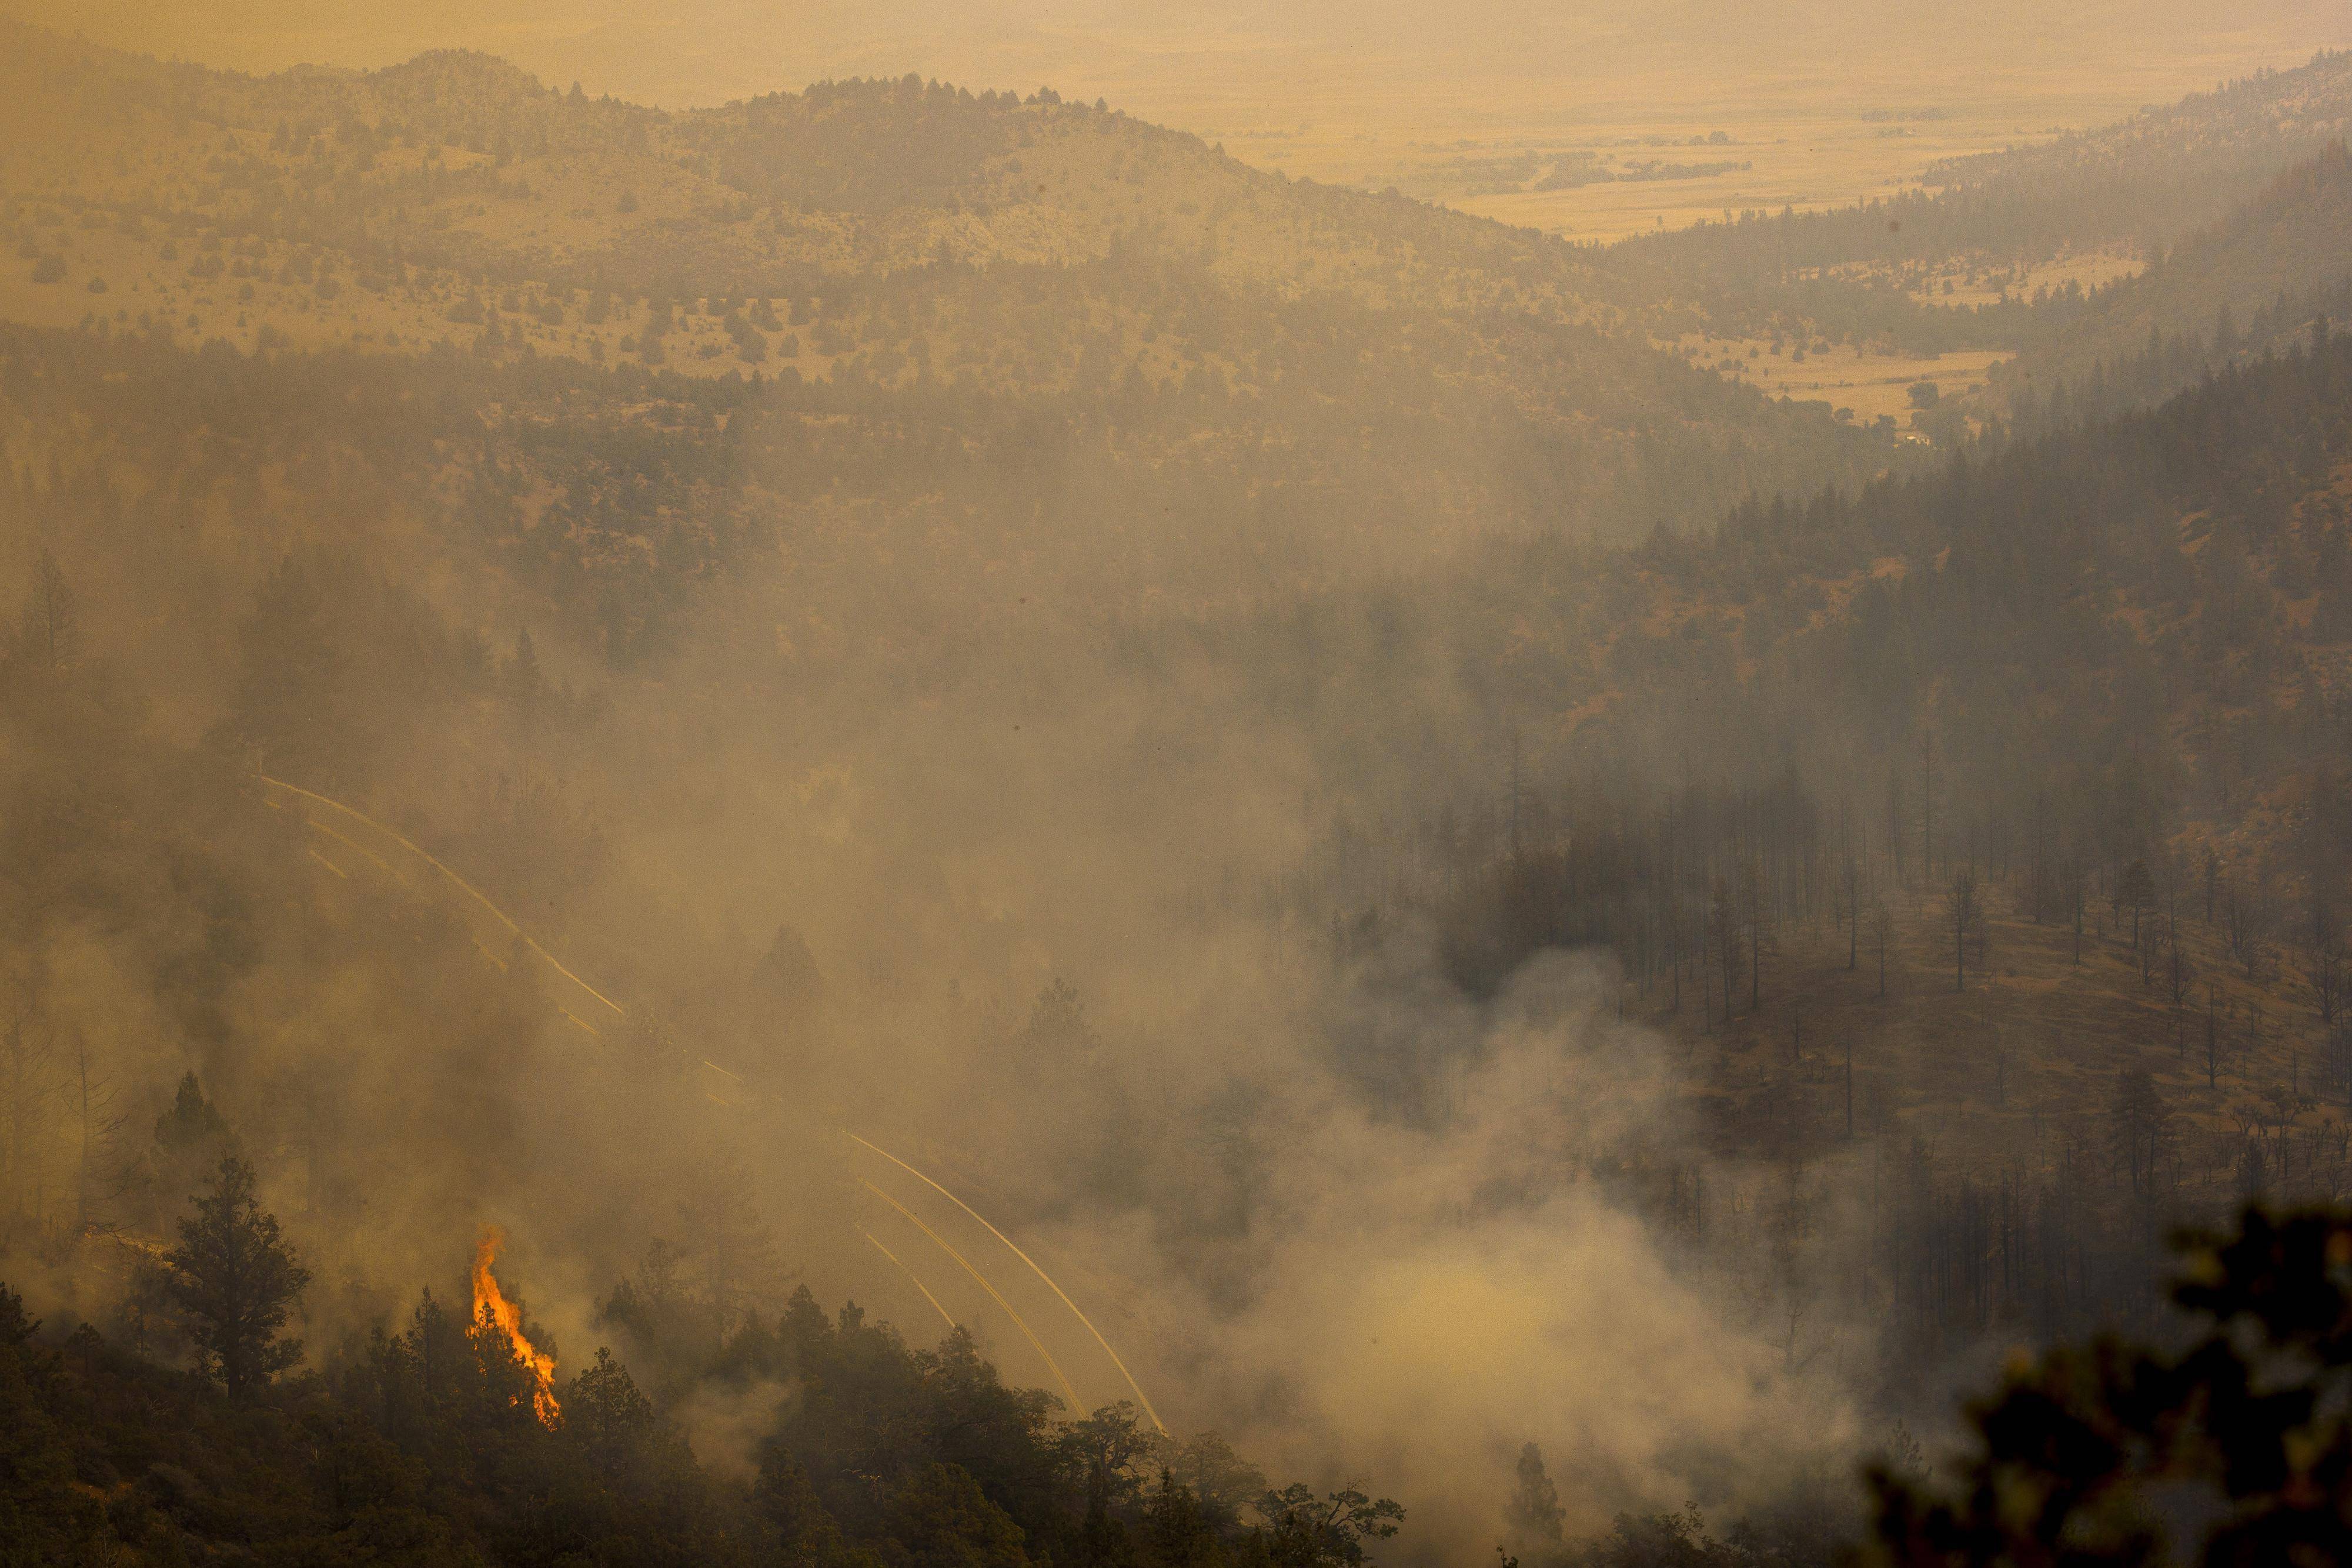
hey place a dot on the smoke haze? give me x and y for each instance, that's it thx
(1219, 755)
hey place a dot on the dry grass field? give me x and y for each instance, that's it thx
(1807, 142)
(1980, 281)
(1864, 382)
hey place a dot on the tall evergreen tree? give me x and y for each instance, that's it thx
(1535, 1515)
(233, 1280)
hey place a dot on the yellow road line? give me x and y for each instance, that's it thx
(555, 964)
(330, 865)
(1024, 1257)
(1035, 1344)
(910, 1278)
(358, 848)
(478, 895)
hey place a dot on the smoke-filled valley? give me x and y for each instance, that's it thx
(903, 825)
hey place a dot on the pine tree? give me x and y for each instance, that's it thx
(233, 1280)
(1963, 916)
(52, 629)
(190, 1138)
(1535, 1515)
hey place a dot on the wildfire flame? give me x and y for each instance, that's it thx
(491, 1307)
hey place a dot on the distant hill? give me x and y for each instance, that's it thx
(2249, 283)
(2125, 192)
(2271, 118)
(897, 235)
(702, 52)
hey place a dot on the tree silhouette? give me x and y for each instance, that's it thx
(1304, 1531)
(190, 1138)
(1964, 913)
(2248, 1429)
(233, 1281)
(1535, 1515)
(52, 628)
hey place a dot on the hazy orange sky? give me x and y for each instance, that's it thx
(1162, 55)
(1364, 92)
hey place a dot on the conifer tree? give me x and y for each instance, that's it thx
(233, 1280)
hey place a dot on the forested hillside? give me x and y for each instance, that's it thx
(419, 1445)
(2245, 284)
(1991, 251)
(900, 242)
(1987, 827)
(1973, 833)
(2144, 183)
(582, 674)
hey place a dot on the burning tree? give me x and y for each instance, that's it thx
(498, 1336)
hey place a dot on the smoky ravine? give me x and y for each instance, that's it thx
(1399, 786)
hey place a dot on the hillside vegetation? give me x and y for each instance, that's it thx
(895, 237)
(2000, 250)
(2238, 285)
(1329, 765)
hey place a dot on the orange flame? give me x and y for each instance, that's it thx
(491, 1306)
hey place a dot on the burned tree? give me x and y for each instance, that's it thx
(1964, 919)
